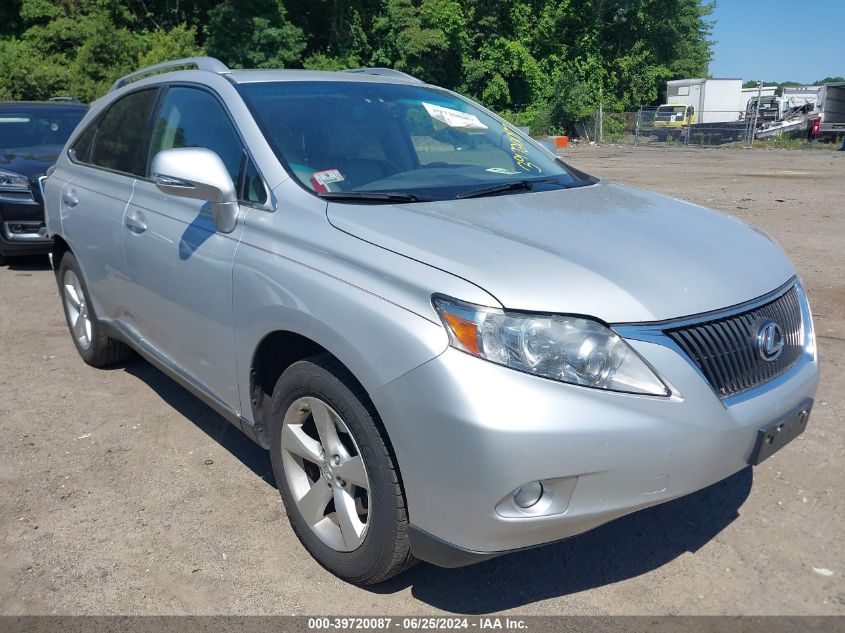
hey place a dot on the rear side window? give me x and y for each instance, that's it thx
(193, 118)
(122, 138)
(80, 151)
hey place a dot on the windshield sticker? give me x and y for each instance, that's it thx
(454, 118)
(327, 176)
(501, 170)
(520, 152)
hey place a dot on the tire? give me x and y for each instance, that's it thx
(95, 348)
(304, 395)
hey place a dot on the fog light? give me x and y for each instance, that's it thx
(528, 495)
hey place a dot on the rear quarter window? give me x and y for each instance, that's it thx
(122, 139)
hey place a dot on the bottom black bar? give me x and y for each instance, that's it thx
(523, 624)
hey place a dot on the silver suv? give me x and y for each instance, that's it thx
(453, 344)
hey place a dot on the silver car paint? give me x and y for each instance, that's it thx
(179, 253)
(466, 432)
(607, 250)
(104, 196)
(506, 428)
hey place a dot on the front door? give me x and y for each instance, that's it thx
(178, 266)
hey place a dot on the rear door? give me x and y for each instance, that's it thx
(178, 267)
(109, 155)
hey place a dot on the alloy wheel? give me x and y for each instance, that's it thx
(326, 474)
(77, 309)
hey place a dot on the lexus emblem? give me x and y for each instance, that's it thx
(770, 341)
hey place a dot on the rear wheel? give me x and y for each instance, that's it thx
(90, 341)
(336, 473)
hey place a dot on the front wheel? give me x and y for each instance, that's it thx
(336, 473)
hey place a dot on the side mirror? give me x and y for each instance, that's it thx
(198, 173)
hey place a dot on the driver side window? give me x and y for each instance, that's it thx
(193, 118)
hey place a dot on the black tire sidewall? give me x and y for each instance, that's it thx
(309, 378)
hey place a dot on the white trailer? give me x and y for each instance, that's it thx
(751, 93)
(832, 109)
(797, 96)
(714, 100)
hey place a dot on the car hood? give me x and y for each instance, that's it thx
(612, 252)
(31, 161)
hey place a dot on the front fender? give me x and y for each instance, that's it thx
(376, 339)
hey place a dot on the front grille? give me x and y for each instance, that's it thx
(725, 349)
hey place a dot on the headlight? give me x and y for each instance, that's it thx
(569, 349)
(10, 181)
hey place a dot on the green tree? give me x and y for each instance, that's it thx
(547, 63)
(253, 34)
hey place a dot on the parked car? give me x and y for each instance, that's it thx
(453, 344)
(31, 136)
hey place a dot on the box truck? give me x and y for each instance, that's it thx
(713, 100)
(831, 119)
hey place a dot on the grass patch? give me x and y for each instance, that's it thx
(785, 142)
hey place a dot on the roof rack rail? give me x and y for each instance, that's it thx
(384, 72)
(200, 63)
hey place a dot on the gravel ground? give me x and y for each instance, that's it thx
(123, 494)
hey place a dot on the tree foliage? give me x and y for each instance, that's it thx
(779, 86)
(547, 63)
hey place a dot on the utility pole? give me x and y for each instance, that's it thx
(601, 113)
(754, 118)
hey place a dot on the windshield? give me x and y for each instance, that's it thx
(37, 132)
(414, 142)
(664, 113)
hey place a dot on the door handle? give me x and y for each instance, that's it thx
(135, 222)
(70, 199)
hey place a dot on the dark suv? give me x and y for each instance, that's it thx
(31, 136)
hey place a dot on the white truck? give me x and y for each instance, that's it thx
(831, 111)
(751, 93)
(714, 100)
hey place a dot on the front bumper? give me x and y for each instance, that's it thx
(22, 228)
(467, 433)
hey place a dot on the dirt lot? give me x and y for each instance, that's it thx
(121, 493)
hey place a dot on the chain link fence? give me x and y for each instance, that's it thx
(669, 126)
(682, 125)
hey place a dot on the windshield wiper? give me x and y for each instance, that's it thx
(507, 186)
(370, 196)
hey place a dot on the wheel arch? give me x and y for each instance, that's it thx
(58, 250)
(274, 353)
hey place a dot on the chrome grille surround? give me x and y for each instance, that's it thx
(724, 351)
(725, 348)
